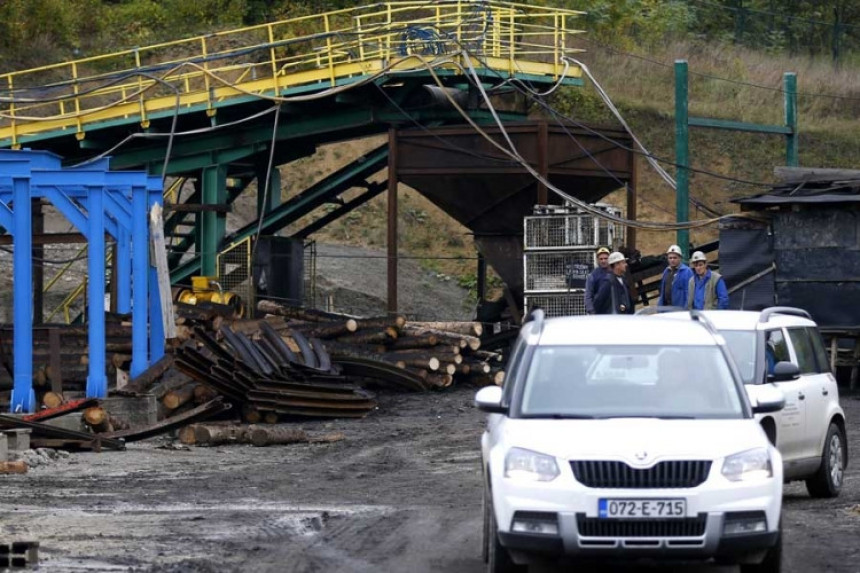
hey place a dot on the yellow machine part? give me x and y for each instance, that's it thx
(202, 291)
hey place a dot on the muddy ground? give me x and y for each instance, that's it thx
(402, 492)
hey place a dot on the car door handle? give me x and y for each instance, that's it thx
(825, 392)
(801, 396)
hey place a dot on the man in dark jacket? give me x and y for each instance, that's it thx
(675, 281)
(613, 296)
(595, 277)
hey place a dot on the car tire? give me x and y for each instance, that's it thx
(498, 558)
(827, 481)
(772, 562)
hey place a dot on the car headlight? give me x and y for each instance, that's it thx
(530, 466)
(749, 465)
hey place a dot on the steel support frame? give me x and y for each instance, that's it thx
(682, 139)
(96, 201)
(212, 225)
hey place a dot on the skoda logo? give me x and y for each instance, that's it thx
(641, 456)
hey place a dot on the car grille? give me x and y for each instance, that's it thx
(686, 527)
(612, 474)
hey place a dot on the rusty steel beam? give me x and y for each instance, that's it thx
(392, 221)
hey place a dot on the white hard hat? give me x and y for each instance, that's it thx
(674, 249)
(616, 257)
(698, 256)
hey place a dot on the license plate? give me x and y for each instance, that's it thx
(639, 508)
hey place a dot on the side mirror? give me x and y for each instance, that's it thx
(766, 398)
(489, 399)
(783, 372)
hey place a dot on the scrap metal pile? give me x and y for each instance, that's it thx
(290, 365)
(300, 363)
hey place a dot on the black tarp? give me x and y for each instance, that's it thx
(746, 250)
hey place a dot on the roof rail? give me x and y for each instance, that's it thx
(699, 316)
(768, 312)
(649, 310)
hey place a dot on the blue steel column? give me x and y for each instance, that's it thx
(23, 398)
(123, 270)
(156, 326)
(97, 379)
(140, 282)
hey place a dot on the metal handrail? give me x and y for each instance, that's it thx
(320, 49)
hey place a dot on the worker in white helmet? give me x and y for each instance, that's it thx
(613, 295)
(675, 281)
(707, 289)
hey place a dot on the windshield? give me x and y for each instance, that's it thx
(630, 381)
(741, 345)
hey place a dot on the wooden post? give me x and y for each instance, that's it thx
(156, 230)
(630, 239)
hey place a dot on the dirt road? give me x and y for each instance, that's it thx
(401, 493)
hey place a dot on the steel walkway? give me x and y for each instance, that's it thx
(297, 61)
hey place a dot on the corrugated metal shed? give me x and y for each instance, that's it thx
(812, 235)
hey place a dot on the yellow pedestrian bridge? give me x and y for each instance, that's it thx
(297, 61)
(222, 110)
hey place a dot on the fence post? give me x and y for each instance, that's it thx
(790, 89)
(682, 156)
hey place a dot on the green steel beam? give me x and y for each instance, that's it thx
(738, 126)
(212, 224)
(373, 190)
(682, 156)
(178, 251)
(222, 148)
(268, 200)
(319, 193)
(286, 213)
(789, 80)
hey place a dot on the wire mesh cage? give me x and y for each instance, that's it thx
(560, 227)
(570, 303)
(235, 274)
(557, 270)
(310, 259)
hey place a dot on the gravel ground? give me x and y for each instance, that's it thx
(402, 492)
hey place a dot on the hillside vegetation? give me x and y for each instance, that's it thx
(737, 50)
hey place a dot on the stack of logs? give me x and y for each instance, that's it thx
(61, 357)
(390, 351)
(264, 376)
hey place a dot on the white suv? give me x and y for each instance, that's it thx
(621, 438)
(781, 347)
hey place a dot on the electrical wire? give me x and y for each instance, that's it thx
(261, 216)
(717, 78)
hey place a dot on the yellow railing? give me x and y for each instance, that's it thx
(317, 52)
(236, 273)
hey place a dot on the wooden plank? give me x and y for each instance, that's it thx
(156, 229)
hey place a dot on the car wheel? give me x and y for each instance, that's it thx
(498, 558)
(772, 562)
(827, 481)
